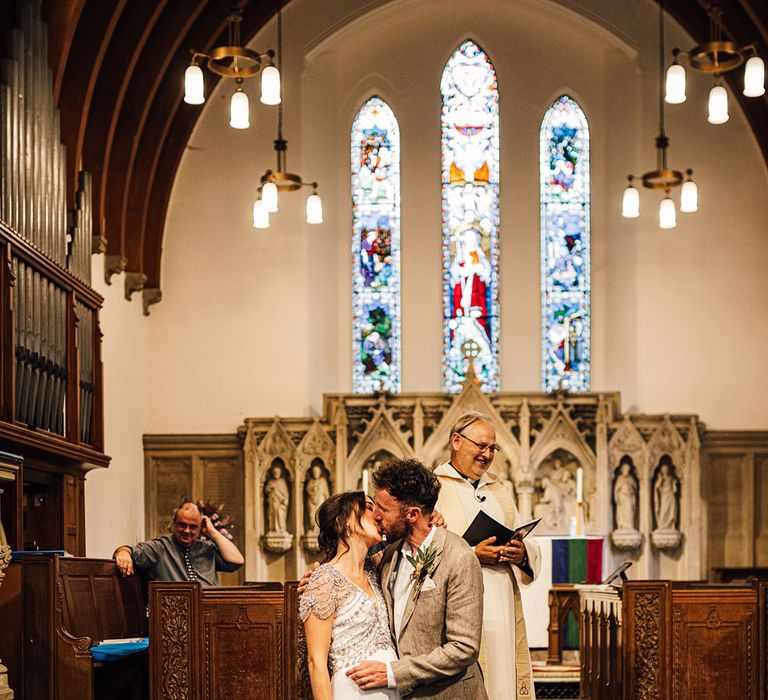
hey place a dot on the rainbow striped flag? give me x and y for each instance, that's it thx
(577, 560)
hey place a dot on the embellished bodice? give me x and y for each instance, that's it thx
(360, 625)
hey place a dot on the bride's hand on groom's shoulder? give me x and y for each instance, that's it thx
(305, 578)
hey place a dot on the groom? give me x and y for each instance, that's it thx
(435, 609)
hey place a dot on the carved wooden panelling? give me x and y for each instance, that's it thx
(174, 655)
(646, 610)
(245, 631)
(761, 510)
(223, 484)
(714, 648)
(735, 484)
(173, 483)
(647, 628)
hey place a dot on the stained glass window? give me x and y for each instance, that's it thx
(376, 249)
(565, 276)
(470, 172)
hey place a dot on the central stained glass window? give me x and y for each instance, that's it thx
(375, 249)
(470, 179)
(565, 247)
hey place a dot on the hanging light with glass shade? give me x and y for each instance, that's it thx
(663, 178)
(273, 182)
(238, 63)
(717, 56)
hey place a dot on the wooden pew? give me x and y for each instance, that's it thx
(228, 642)
(674, 640)
(70, 604)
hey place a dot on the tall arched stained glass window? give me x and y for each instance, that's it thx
(470, 171)
(376, 249)
(565, 277)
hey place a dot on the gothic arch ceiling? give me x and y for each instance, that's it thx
(118, 67)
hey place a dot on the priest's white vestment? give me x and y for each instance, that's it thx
(504, 654)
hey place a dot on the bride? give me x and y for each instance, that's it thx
(344, 614)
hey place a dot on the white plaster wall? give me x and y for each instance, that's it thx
(258, 322)
(114, 497)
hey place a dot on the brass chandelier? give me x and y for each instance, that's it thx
(717, 56)
(236, 62)
(663, 178)
(280, 180)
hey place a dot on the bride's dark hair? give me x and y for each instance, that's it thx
(332, 518)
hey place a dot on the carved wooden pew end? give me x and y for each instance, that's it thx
(69, 605)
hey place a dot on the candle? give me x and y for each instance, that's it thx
(365, 480)
(579, 485)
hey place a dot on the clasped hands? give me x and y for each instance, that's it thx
(513, 552)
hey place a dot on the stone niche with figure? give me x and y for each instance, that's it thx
(555, 493)
(638, 471)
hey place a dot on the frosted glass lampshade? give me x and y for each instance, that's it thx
(194, 86)
(754, 77)
(238, 110)
(269, 197)
(314, 209)
(260, 215)
(630, 206)
(675, 87)
(718, 105)
(270, 86)
(667, 213)
(689, 197)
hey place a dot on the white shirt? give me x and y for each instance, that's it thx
(401, 589)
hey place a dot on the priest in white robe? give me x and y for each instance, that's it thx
(467, 486)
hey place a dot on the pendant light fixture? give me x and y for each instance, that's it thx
(238, 63)
(717, 56)
(663, 177)
(273, 182)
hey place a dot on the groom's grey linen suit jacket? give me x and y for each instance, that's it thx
(439, 639)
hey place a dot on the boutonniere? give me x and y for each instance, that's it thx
(423, 564)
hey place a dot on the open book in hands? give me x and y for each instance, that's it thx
(484, 526)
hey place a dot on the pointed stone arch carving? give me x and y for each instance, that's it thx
(436, 447)
(381, 434)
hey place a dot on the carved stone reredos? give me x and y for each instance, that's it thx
(356, 430)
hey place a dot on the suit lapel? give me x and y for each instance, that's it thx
(387, 581)
(439, 541)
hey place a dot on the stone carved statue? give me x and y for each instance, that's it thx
(550, 505)
(625, 493)
(278, 499)
(665, 499)
(625, 498)
(665, 508)
(317, 491)
(564, 478)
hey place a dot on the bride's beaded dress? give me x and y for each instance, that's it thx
(360, 628)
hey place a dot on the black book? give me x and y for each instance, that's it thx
(484, 526)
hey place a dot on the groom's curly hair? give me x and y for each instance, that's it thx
(410, 482)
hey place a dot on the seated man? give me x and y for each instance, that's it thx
(183, 556)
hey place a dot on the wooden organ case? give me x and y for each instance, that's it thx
(50, 360)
